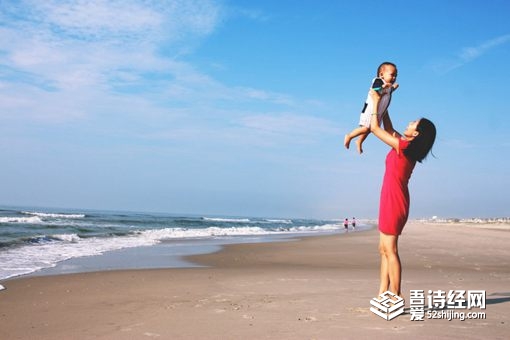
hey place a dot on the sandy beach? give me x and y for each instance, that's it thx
(313, 288)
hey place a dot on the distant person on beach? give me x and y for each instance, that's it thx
(346, 223)
(353, 222)
(384, 83)
(412, 146)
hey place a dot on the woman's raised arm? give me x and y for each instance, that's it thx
(388, 135)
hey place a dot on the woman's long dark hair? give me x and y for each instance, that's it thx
(421, 145)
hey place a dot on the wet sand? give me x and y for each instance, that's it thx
(313, 288)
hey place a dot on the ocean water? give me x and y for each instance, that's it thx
(32, 239)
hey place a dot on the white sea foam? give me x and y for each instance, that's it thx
(28, 220)
(279, 221)
(173, 233)
(234, 220)
(67, 237)
(29, 258)
(52, 215)
(323, 227)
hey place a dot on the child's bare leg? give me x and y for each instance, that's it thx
(360, 141)
(360, 130)
(347, 140)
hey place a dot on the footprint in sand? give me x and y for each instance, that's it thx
(359, 310)
(308, 319)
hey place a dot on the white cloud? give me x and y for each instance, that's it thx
(120, 20)
(250, 13)
(98, 19)
(93, 48)
(469, 54)
(76, 32)
(94, 60)
(287, 127)
(273, 97)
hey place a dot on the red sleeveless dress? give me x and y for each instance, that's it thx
(394, 203)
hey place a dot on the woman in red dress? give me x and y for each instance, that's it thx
(406, 149)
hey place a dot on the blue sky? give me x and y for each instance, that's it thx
(240, 107)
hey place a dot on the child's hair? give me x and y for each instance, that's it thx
(421, 145)
(386, 63)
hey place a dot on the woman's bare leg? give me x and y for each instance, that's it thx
(391, 269)
(385, 278)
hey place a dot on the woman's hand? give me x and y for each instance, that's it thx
(375, 97)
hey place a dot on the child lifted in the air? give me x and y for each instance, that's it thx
(385, 84)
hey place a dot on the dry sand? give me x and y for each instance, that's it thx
(314, 288)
